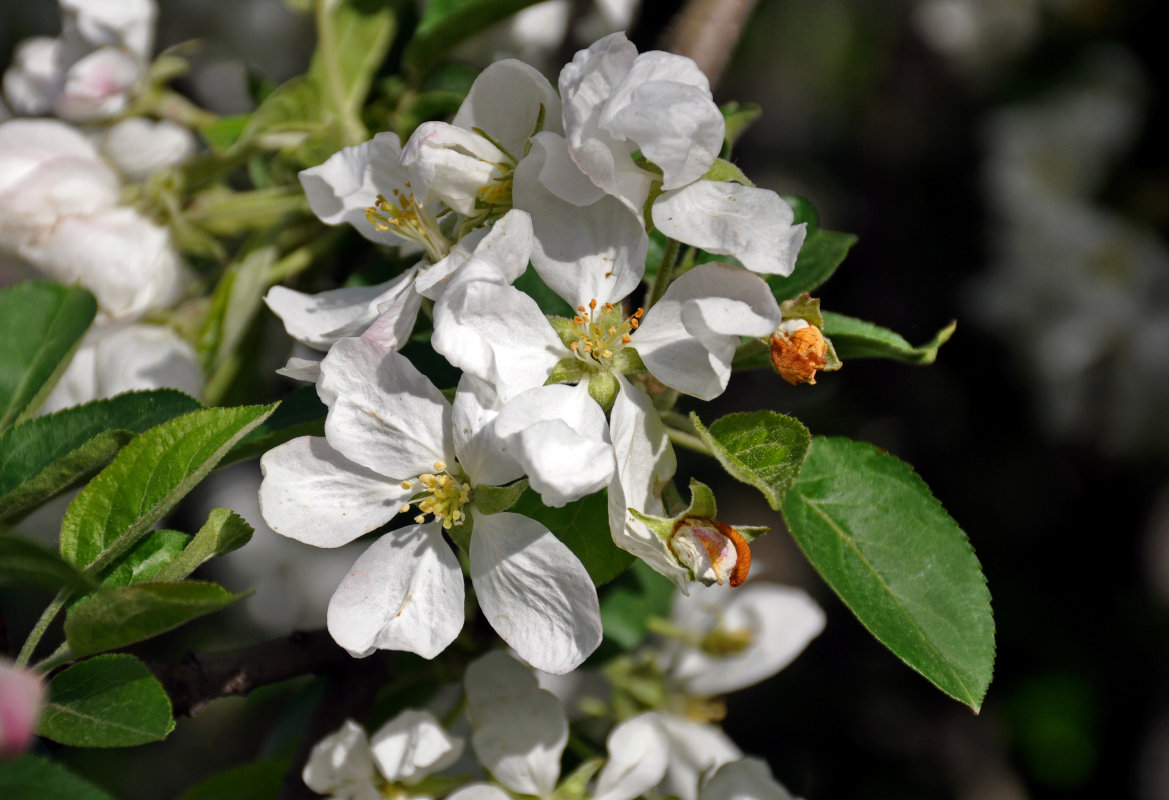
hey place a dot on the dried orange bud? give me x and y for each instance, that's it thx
(712, 550)
(799, 356)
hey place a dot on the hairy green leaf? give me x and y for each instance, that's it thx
(583, 525)
(223, 532)
(46, 455)
(35, 777)
(354, 36)
(875, 533)
(760, 448)
(855, 338)
(106, 701)
(25, 563)
(41, 324)
(148, 477)
(822, 253)
(114, 618)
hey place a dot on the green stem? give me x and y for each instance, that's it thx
(59, 657)
(38, 631)
(665, 274)
(353, 131)
(688, 440)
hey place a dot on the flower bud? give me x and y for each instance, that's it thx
(798, 351)
(21, 697)
(713, 551)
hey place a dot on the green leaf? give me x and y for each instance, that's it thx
(448, 22)
(822, 253)
(223, 532)
(41, 324)
(875, 533)
(855, 338)
(494, 499)
(114, 618)
(223, 132)
(147, 558)
(583, 525)
(738, 117)
(46, 455)
(354, 36)
(25, 563)
(630, 601)
(301, 413)
(234, 304)
(259, 780)
(106, 701)
(151, 474)
(35, 777)
(760, 448)
(286, 118)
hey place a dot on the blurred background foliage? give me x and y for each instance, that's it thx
(888, 115)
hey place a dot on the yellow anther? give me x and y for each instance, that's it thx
(439, 466)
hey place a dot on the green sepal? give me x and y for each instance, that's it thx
(567, 370)
(627, 361)
(565, 328)
(603, 388)
(461, 534)
(738, 117)
(575, 785)
(723, 170)
(494, 499)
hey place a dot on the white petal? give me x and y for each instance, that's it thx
(560, 175)
(482, 453)
(534, 592)
(340, 189)
(746, 779)
(99, 85)
(413, 745)
(559, 435)
(339, 761)
(645, 462)
(35, 77)
(687, 340)
(496, 333)
(779, 620)
(320, 319)
(639, 753)
(140, 356)
(451, 164)
(140, 147)
(518, 730)
(479, 791)
(695, 748)
(404, 593)
(121, 23)
(501, 252)
(315, 495)
(753, 225)
(301, 369)
(505, 102)
(582, 252)
(36, 196)
(383, 413)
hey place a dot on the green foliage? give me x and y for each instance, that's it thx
(583, 525)
(822, 253)
(856, 338)
(760, 448)
(106, 701)
(875, 533)
(35, 777)
(631, 600)
(259, 780)
(147, 558)
(46, 455)
(223, 532)
(41, 324)
(114, 618)
(25, 563)
(301, 413)
(448, 22)
(738, 117)
(148, 477)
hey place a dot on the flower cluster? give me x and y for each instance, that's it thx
(574, 183)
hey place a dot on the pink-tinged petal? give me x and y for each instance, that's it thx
(518, 730)
(505, 101)
(315, 495)
(499, 254)
(413, 745)
(320, 320)
(645, 462)
(534, 591)
(559, 435)
(482, 453)
(498, 334)
(778, 621)
(745, 778)
(687, 340)
(383, 413)
(404, 593)
(342, 188)
(341, 762)
(753, 225)
(639, 753)
(695, 749)
(583, 253)
(98, 86)
(21, 696)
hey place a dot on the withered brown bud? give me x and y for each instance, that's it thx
(799, 356)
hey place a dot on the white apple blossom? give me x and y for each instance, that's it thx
(117, 358)
(140, 147)
(745, 779)
(392, 440)
(348, 765)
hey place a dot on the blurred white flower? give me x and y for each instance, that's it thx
(140, 147)
(22, 692)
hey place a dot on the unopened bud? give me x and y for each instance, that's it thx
(713, 551)
(799, 354)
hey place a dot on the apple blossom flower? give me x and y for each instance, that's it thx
(140, 147)
(35, 77)
(22, 692)
(745, 778)
(349, 765)
(117, 358)
(392, 441)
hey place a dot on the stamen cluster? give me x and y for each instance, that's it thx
(603, 333)
(444, 497)
(409, 219)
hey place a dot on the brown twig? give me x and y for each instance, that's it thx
(707, 31)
